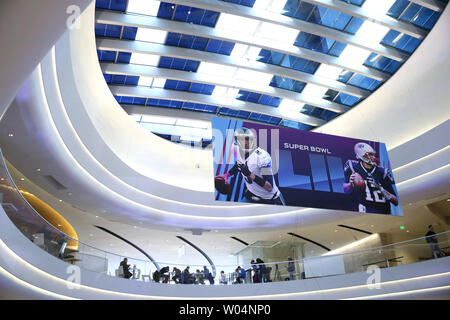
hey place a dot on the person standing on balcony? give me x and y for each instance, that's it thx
(432, 240)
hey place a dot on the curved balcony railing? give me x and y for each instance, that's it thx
(57, 243)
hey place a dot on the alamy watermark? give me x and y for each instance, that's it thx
(74, 278)
(374, 280)
(73, 21)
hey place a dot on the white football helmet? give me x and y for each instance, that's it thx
(245, 139)
(365, 153)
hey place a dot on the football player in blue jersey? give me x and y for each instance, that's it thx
(372, 183)
(255, 165)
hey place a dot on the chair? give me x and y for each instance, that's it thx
(138, 275)
(119, 272)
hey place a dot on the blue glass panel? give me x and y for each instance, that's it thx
(354, 25)
(248, 96)
(264, 118)
(166, 10)
(196, 15)
(328, 115)
(297, 9)
(199, 107)
(330, 18)
(269, 100)
(247, 3)
(410, 13)
(286, 83)
(355, 2)
(107, 77)
(129, 33)
(202, 88)
(177, 85)
(337, 49)
(307, 109)
(118, 5)
(382, 63)
(126, 80)
(124, 57)
(295, 125)
(330, 95)
(397, 8)
(179, 64)
(364, 82)
(344, 76)
(432, 20)
(234, 113)
(405, 43)
(300, 64)
(108, 56)
(313, 42)
(271, 57)
(422, 16)
(130, 100)
(164, 103)
(346, 99)
(107, 30)
(220, 46)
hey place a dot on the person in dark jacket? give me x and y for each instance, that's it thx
(431, 239)
(126, 268)
(187, 276)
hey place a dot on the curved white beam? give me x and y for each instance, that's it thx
(155, 93)
(183, 53)
(265, 16)
(379, 18)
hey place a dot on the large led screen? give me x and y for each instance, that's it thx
(264, 164)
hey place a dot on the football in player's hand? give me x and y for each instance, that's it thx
(222, 185)
(358, 181)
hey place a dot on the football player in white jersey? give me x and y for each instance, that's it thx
(255, 165)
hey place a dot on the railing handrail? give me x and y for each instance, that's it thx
(179, 264)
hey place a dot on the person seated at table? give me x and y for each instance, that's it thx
(126, 268)
(199, 277)
(241, 274)
(223, 278)
(176, 275)
(164, 273)
(187, 276)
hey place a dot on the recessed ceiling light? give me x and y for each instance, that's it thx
(96, 216)
(371, 226)
(60, 200)
(10, 135)
(38, 169)
(91, 235)
(22, 179)
(331, 242)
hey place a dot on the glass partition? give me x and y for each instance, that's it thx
(55, 242)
